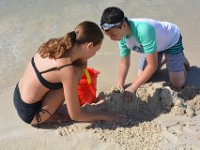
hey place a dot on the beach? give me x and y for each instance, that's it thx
(158, 117)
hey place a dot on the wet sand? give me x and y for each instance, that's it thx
(157, 118)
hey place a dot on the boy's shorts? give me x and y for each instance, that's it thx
(174, 61)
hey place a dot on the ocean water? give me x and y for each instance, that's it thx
(25, 24)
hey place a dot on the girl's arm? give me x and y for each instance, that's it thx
(70, 81)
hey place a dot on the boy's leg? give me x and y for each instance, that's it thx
(186, 64)
(50, 103)
(177, 79)
(143, 63)
(176, 69)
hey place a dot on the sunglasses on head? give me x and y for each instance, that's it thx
(107, 26)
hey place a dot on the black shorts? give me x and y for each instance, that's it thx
(25, 111)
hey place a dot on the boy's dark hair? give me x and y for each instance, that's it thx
(112, 15)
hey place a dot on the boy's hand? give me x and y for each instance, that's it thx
(131, 89)
(120, 88)
(128, 94)
(117, 89)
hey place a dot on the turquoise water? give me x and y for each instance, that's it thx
(25, 24)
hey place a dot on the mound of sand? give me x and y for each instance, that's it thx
(138, 130)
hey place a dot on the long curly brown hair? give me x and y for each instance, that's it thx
(59, 47)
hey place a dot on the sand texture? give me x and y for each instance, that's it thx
(140, 126)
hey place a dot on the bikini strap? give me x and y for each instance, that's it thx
(38, 118)
(55, 68)
(48, 70)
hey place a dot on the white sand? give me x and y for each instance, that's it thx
(157, 118)
(142, 124)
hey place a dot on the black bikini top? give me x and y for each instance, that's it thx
(47, 84)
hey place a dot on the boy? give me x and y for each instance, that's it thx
(151, 38)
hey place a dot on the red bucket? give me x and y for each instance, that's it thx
(87, 91)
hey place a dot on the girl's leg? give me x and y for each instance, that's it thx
(51, 102)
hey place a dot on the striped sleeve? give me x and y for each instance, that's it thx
(147, 37)
(124, 50)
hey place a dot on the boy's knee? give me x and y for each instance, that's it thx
(177, 79)
(178, 84)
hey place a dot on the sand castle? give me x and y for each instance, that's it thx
(150, 101)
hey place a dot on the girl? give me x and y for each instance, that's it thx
(52, 76)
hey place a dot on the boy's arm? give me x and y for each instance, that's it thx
(123, 64)
(147, 38)
(152, 63)
(123, 70)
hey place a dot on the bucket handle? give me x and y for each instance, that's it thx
(87, 76)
